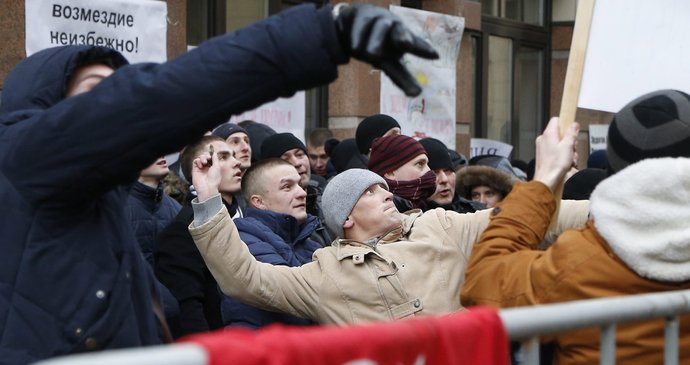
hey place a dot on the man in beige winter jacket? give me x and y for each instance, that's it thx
(387, 266)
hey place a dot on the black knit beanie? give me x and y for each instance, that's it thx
(654, 125)
(225, 130)
(274, 146)
(438, 155)
(371, 128)
(581, 185)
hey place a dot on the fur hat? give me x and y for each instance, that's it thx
(390, 152)
(654, 125)
(342, 193)
(471, 176)
(373, 127)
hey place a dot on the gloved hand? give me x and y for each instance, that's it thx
(374, 35)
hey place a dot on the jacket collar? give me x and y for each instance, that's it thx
(284, 225)
(347, 248)
(147, 195)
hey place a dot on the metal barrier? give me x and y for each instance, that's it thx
(523, 324)
(526, 324)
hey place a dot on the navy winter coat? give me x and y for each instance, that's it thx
(276, 239)
(151, 210)
(72, 278)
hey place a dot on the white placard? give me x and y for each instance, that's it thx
(482, 146)
(135, 28)
(432, 113)
(597, 137)
(635, 47)
(283, 115)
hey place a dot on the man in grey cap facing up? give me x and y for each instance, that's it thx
(385, 266)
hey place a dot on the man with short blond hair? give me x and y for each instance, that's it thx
(277, 230)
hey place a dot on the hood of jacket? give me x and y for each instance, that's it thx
(39, 82)
(642, 213)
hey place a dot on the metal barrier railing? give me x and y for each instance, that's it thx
(526, 324)
(523, 324)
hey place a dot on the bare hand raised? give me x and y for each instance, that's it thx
(555, 156)
(206, 175)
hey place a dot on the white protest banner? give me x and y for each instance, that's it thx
(283, 115)
(597, 136)
(433, 112)
(635, 47)
(482, 146)
(136, 28)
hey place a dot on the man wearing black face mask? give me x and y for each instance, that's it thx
(404, 165)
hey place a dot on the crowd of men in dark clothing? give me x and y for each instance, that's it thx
(107, 246)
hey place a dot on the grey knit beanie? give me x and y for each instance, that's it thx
(342, 193)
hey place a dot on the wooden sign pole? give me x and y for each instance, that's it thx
(573, 79)
(576, 64)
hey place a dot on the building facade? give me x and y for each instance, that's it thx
(510, 71)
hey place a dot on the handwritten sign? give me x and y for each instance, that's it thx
(283, 115)
(482, 146)
(433, 112)
(135, 28)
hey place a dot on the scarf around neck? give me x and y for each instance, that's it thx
(416, 190)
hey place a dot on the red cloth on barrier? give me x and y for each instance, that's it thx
(475, 336)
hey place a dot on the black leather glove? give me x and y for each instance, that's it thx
(374, 35)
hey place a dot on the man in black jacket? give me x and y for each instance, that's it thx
(179, 265)
(74, 132)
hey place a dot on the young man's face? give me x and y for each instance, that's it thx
(375, 213)
(318, 159)
(157, 170)
(411, 170)
(297, 158)
(239, 143)
(86, 78)
(445, 187)
(231, 174)
(283, 192)
(486, 196)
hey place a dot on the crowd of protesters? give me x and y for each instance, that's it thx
(107, 246)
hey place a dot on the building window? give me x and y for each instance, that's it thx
(523, 11)
(515, 78)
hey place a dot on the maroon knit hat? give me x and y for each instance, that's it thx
(390, 152)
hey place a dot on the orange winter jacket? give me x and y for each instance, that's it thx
(506, 270)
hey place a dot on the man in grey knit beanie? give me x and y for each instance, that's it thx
(342, 193)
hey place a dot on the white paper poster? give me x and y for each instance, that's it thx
(635, 47)
(135, 28)
(283, 115)
(482, 146)
(597, 137)
(433, 112)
